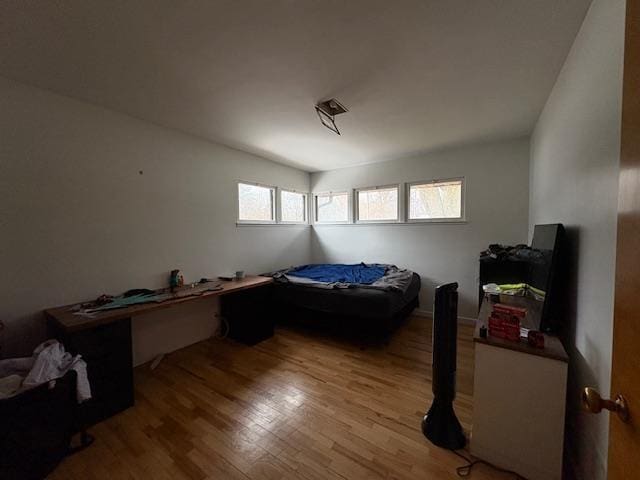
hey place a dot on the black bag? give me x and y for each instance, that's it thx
(36, 427)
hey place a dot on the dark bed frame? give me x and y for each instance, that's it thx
(362, 328)
(280, 303)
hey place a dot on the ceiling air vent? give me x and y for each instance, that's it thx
(327, 112)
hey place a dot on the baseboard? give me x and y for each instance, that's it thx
(427, 313)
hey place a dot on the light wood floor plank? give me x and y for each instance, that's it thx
(301, 405)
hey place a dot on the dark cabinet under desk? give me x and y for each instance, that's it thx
(104, 338)
(107, 351)
(249, 314)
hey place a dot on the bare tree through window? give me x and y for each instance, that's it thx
(255, 203)
(436, 200)
(378, 204)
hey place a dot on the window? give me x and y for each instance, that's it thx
(378, 204)
(332, 208)
(437, 200)
(256, 203)
(293, 207)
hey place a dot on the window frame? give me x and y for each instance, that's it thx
(305, 209)
(356, 203)
(463, 211)
(274, 208)
(333, 222)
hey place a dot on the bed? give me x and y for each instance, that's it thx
(369, 300)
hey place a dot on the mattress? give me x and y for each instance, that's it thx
(352, 302)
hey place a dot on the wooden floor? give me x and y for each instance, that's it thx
(299, 405)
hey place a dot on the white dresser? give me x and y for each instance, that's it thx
(519, 405)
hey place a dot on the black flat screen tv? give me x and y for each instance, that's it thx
(544, 271)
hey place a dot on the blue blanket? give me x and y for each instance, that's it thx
(339, 273)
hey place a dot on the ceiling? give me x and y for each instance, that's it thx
(415, 75)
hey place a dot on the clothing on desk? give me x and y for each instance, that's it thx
(141, 296)
(49, 362)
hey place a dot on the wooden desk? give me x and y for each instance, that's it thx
(104, 341)
(519, 404)
(68, 320)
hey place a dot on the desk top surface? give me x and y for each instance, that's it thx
(553, 348)
(68, 318)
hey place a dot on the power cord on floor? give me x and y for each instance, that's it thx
(223, 328)
(465, 470)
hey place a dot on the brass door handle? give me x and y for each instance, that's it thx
(594, 403)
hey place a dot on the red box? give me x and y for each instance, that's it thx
(497, 332)
(499, 316)
(535, 339)
(504, 322)
(512, 321)
(510, 310)
(512, 333)
(495, 322)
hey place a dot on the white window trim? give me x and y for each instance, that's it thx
(305, 197)
(339, 222)
(356, 205)
(274, 201)
(461, 219)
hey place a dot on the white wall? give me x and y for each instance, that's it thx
(574, 180)
(496, 176)
(77, 219)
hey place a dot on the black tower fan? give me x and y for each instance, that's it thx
(440, 425)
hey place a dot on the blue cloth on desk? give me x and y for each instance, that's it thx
(123, 302)
(339, 273)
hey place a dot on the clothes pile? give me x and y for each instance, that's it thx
(49, 362)
(139, 296)
(497, 252)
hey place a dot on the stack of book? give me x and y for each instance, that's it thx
(504, 321)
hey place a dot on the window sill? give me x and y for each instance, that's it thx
(376, 222)
(437, 220)
(248, 224)
(412, 223)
